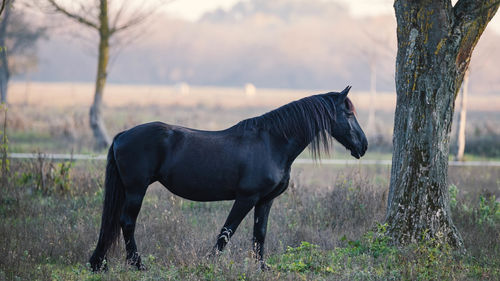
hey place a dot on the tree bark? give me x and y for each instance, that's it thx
(96, 121)
(462, 119)
(435, 42)
(4, 65)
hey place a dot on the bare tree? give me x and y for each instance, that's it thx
(2, 7)
(96, 16)
(435, 43)
(4, 63)
(18, 38)
(462, 118)
(379, 50)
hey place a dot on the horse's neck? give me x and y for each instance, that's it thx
(299, 144)
(295, 147)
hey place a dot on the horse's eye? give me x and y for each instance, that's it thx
(346, 104)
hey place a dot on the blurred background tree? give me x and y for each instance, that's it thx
(462, 118)
(96, 15)
(18, 42)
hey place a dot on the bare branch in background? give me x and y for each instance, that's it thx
(106, 32)
(3, 6)
(73, 16)
(137, 18)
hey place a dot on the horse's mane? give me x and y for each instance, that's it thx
(310, 118)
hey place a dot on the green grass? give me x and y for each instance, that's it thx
(374, 258)
(370, 258)
(472, 157)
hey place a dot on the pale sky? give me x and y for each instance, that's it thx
(194, 9)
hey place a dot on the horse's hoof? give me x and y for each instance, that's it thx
(135, 265)
(98, 264)
(142, 267)
(213, 253)
(95, 267)
(263, 266)
(98, 267)
(136, 262)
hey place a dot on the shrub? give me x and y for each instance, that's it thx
(489, 210)
(47, 177)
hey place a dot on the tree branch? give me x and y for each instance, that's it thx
(471, 18)
(117, 16)
(3, 6)
(75, 17)
(136, 19)
(467, 10)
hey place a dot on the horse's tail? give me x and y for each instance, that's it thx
(114, 196)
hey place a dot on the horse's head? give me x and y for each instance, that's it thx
(347, 130)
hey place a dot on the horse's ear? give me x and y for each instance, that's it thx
(344, 93)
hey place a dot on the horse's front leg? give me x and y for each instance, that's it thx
(261, 215)
(240, 209)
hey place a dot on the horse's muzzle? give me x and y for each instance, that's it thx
(355, 154)
(359, 152)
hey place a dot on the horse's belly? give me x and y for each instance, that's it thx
(203, 171)
(201, 193)
(199, 188)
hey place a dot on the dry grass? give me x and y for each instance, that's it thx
(54, 117)
(75, 94)
(48, 233)
(81, 94)
(50, 237)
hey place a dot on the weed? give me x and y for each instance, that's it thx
(453, 191)
(47, 177)
(489, 210)
(4, 147)
(62, 177)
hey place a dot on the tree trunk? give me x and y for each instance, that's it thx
(435, 42)
(462, 119)
(96, 121)
(4, 66)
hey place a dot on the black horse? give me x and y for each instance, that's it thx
(248, 162)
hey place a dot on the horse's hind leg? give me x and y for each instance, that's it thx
(131, 208)
(240, 209)
(261, 216)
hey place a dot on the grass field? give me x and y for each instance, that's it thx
(326, 226)
(54, 117)
(81, 94)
